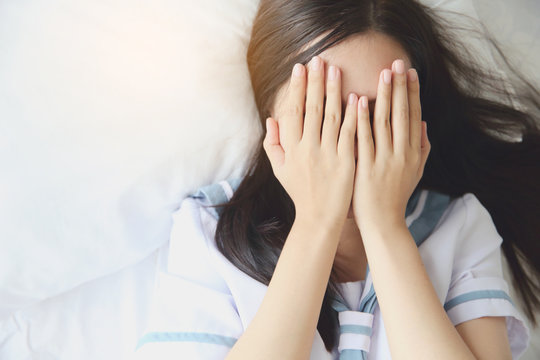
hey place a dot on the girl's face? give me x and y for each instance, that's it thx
(360, 58)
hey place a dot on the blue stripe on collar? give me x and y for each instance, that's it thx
(216, 194)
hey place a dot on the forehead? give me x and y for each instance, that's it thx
(361, 58)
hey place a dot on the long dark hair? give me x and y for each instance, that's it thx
(475, 126)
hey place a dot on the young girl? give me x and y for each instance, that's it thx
(371, 221)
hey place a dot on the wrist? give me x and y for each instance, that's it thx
(388, 227)
(325, 226)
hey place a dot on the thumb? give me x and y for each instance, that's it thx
(271, 144)
(424, 149)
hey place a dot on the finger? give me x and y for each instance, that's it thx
(348, 129)
(415, 110)
(366, 149)
(292, 118)
(271, 144)
(332, 111)
(314, 101)
(400, 108)
(381, 121)
(425, 149)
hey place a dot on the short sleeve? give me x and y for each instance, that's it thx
(192, 315)
(477, 287)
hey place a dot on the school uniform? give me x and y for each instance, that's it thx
(202, 303)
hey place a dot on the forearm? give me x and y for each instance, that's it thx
(286, 321)
(416, 323)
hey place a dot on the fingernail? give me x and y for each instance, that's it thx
(315, 63)
(332, 73)
(364, 102)
(298, 70)
(399, 66)
(387, 76)
(412, 75)
(352, 99)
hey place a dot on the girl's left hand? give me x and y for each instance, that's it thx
(391, 163)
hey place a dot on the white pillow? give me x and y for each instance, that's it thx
(110, 114)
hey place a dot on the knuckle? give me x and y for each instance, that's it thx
(347, 130)
(415, 113)
(293, 87)
(332, 118)
(414, 86)
(400, 80)
(295, 110)
(413, 158)
(386, 91)
(403, 112)
(295, 83)
(350, 111)
(382, 121)
(426, 146)
(331, 85)
(401, 160)
(314, 108)
(333, 88)
(364, 137)
(311, 156)
(346, 167)
(345, 133)
(308, 149)
(266, 141)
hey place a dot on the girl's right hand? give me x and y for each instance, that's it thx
(317, 170)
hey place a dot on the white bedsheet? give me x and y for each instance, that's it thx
(101, 319)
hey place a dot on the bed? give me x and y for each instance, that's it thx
(110, 114)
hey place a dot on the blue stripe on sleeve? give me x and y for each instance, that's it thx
(476, 295)
(206, 338)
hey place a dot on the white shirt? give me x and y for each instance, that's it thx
(202, 303)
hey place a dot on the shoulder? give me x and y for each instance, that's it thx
(468, 224)
(467, 240)
(476, 234)
(464, 239)
(478, 229)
